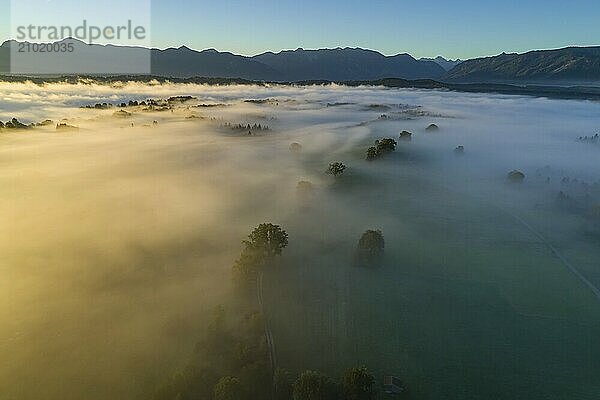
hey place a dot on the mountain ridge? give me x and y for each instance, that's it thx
(573, 64)
(577, 65)
(288, 65)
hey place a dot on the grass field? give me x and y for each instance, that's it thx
(469, 304)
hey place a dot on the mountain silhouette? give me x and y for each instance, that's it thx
(324, 64)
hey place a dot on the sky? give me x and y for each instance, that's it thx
(455, 29)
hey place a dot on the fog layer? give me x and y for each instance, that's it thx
(117, 238)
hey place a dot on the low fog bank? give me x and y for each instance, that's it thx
(118, 235)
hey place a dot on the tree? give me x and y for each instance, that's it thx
(304, 189)
(228, 388)
(357, 384)
(191, 383)
(217, 324)
(372, 153)
(256, 380)
(295, 147)
(200, 382)
(381, 148)
(282, 384)
(370, 247)
(312, 385)
(406, 135)
(336, 168)
(386, 145)
(218, 339)
(268, 239)
(245, 268)
(15, 124)
(516, 176)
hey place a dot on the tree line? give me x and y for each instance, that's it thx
(231, 361)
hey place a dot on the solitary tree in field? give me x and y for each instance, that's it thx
(336, 168)
(370, 247)
(268, 239)
(357, 384)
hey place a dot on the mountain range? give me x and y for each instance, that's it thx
(568, 65)
(297, 65)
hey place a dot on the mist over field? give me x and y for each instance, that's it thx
(117, 238)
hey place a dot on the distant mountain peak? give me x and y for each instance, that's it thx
(447, 64)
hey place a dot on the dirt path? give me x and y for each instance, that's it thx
(556, 253)
(268, 332)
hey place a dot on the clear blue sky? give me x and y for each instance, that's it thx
(458, 28)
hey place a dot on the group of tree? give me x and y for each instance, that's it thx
(130, 103)
(381, 148)
(66, 127)
(151, 104)
(13, 124)
(590, 139)
(180, 99)
(122, 114)
(229, 362)
(356, 384)
(255, 127)
(246, 127)
(101, 106)
(262, 101)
